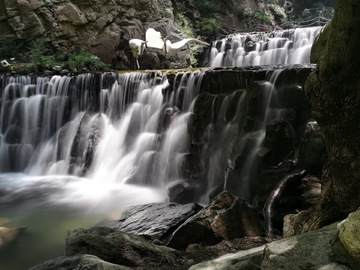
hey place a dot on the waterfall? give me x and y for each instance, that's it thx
(125, 131)
(99, 142)
(252, 49)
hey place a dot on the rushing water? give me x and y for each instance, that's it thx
(252, 49)
(74, 149)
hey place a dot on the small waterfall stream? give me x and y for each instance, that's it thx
(253, 49)
(85, 146)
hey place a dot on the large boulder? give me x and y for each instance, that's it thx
(156, 220)
(78, 262)
(226, 217)
(349, 236)
(117, 247)
(307, 251)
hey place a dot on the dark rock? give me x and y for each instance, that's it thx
(279, 140)
(117, 247)
(78, 262)
(312, 152)
(311, 189)
(226, 217)
(182, 191)
(157, 220)
(14, 135)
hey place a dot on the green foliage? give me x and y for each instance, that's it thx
(208, 7)
(85, 59)
(185, 27)
(259, 16)
(209, 26)
(280, 11)
(39, 57)
(42, 58)
(11, 50)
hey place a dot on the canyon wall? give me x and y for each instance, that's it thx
(106, 26)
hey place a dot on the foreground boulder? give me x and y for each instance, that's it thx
(306, 251)
(346, 244)
(117, 247)
(226, 217)
(157, 220)
(78, 262)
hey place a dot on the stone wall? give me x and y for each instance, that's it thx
(104, 25)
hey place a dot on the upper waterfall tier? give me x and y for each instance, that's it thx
(252, 49)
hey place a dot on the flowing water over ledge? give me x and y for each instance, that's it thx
(76, 148)
(291, 46)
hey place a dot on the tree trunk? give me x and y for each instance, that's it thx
(334, 91)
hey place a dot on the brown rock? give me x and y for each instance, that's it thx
(226, 217)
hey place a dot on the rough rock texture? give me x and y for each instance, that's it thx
(244, 260)
(307, 251)
(349, 234)
(78, 262)
(226, 217)
(117, 247)
(333, 90)
(157, 220)
(312, 154)
(104, 25)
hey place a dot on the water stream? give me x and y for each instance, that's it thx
(253, 49)
(74, 149)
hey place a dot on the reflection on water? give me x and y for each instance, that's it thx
(49, 206)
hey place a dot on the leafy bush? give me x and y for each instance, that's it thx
(209, 26)
(185, 27)
(208, 7)
(39, 57)
(262, 17)
(11, 50)
(85, 60)
(42, 58)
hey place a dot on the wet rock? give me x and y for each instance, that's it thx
(226, 217)
(279, 142)
(14, 135)
(117, 247)
(157, 220)
(182, 191)
(78, 262)
(8, 235)
(312, 151)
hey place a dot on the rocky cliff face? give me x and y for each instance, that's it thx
(106, 26)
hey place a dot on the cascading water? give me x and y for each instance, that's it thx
(253, 49)
(91, 144)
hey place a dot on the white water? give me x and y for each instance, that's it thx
(274, 48)
(122, 133)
